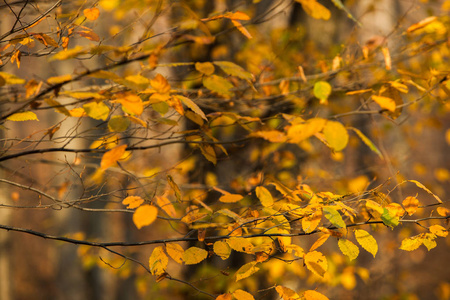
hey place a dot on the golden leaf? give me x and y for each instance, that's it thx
(300, 132)
(384, 102)
(175, 251)
(166, 205)
(194, 255)
(133, 201)
(145, 215)
(336, 135)
(264, 196)
(222, 249)
(131, 103)
(411, 204)
(240, 244)
(314, 295)
(226, 296)
(348, 248)
(438, 230)
(246, 270)
(311, 222)
(192, 217)
(91, 13)
(112, 156)
(316, 262)
(23, 116)
(286, 293)
(412, 243)
(97, 110)
(241, 28)
(158, 261)
(320, 241)
(315, 9)
(206, 68)
(242, 295)
(160, 84)
(367, 241)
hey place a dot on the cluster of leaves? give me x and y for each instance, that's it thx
(228, 107)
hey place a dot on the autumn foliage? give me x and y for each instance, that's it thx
(229, 156)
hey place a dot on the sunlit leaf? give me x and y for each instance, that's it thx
(314, 295)
(194, 255)
(218, 85)
(273, 136)
(333, 216)
(112, 156)
(246, 270)
(175, 251)
(264, 196)
(234, 70)
(320, 241)
(348, 248)
(412, 243)
(316, 262)
(23, 116)
(322, 90)
(59, 79)
(242, 295)
(145, 215)
(97, 110)
(438, 230)
(299, 132)
(132, 201)
(374, 208)
(166, 205)
(240, 244)
(241, 28)
(421, 24)
(231, 198)
(336, 135)
(191, 104)
(367, 241)
(131, 103)
(206, 68)
(384, 102)
(311, 222)
(411, 205)
(315, 9)
(91, 13)
(226, 296)
(160, 84)
(158, 261)
(286, 293)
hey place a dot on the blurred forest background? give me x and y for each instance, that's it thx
(282, 36)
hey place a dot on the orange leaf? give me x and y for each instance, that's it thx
(91, 13)
(231, 198)
(166, 206)
(158, 261)
(226, 296)
(421, 24)
(145, 215)
(313, 295)
(241, 28)
(410, 204)
(160, 84)
(132, 201)
(112, 156)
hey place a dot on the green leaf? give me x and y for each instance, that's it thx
(336, 135)
(218, 85)
(23, 116)
(388, 219)
(334, 217)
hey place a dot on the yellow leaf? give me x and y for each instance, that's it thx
(336, 135)
(286, 293)
(411, 204)
(315, 9)
(160, 84)
(348, 248)
(193, 216)
(222, 249)
(206, 68)
(320, 241)
(387, 58)
(438, 230)
(241, 28)
(191, 104)
(412, 243)
(242, 295)
(97, 110)
(71, 53)
(194, 255)
(238, 15)
(231, 198)
(23, 116)
(175, 251)
(442, 211)
(145, 215)
(158, 261)
(246, 270)
(374, 208)
(316, 262)
(367, 241)
(136, 82)
(218, 85)
(91, 13)
(59, 79)
(273, 136)
(313, 295)
(333, 216)
(419, 185)
(112, 156)
(264, 196)
(311, 222)
(300, 132)
(226, 296)
(421, 24)
(166, 205)
(240, 244)
(131, 103)
(133, 201)
(384, 102)
(77, 112)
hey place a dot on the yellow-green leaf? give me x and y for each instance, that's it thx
(316, 262)
(367, 241)
(374, 208)
(218, 85)
(336, 135)
(118, 124)
(97, 110)
(136, 82)
(322, 90)
(206, 68)
(388, 219)
(112, 156)
(242, 295)
(314, 295)
(145, 215)
(158, 261)
(264, 196)
(132, 201)
(194, 255)
(348, 248)
(23, 116)
(368, 142)
(246, 270)
(334, 217)
(222, 249)
(175, 251)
